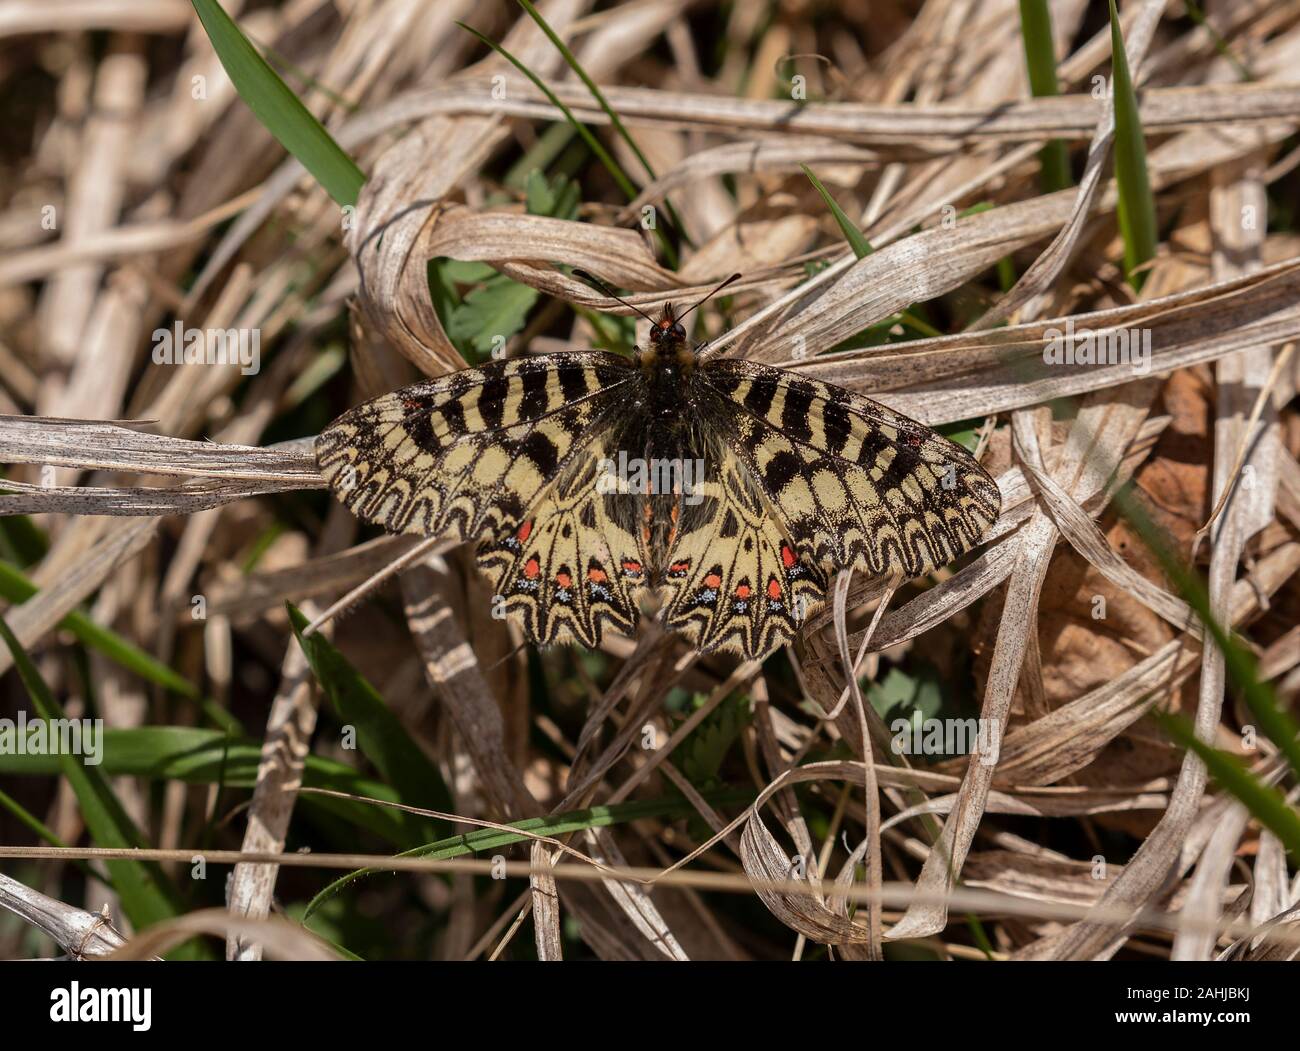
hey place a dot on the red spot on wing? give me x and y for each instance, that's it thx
(632, 567)
(742, 591)
(773, 589)
(712, 580)
(525, 531)
(563, 579)
(787, 556)
(532, 568)
(596, 574)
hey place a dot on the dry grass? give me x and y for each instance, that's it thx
(139, 191)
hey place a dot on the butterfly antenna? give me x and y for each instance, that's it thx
(733, 277)
(600, 286)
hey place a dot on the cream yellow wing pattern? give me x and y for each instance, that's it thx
(506, 455)
(856, 483)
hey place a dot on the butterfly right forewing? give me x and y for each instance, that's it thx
(857, 484)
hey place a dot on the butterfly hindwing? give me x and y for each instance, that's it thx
(462, 454)
(735, 578)
(856, 483)
(570, 564)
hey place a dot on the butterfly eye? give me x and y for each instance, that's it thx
(679, 332)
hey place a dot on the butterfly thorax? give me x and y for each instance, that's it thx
(667, 364)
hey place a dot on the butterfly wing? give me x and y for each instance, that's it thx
(461, 455)
(573, 562)
(734, 578)
(508, 454)
(856, 484)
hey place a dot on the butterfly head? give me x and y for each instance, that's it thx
(669, 351)
(668, 334)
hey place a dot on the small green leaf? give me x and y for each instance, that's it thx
(965, 433)
(902, 695)
(491, 314)
(557, 198)
(706, 747)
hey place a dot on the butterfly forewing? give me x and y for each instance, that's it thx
(857, 485)
(463, 455)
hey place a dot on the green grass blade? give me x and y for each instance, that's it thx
(619, 127)
(552, 825)
(601, 101)
(16, 588)
(603, 155)
(594, 144)
(381, 737)
(198, 756)
(147, 895)
(278, 108)
(1137, 205)
(1267, 805)
(1239, 662)
(1195, 13)
(1040, 60)
(862, 247)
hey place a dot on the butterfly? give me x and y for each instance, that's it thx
(594, 484)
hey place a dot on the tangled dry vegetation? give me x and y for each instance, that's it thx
(163, 547)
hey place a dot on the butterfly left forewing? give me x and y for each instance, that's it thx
(459, 455)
